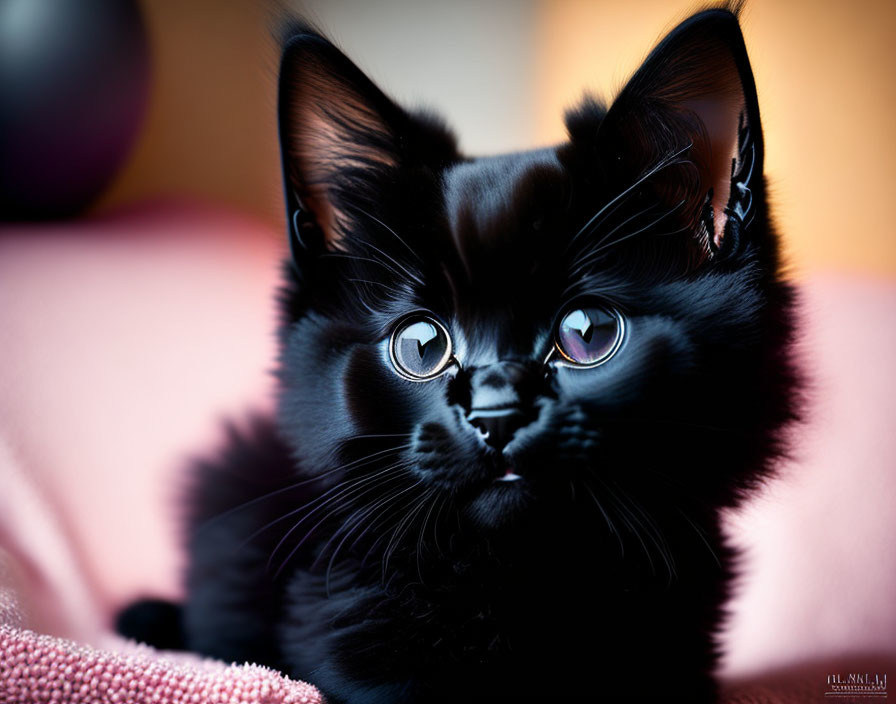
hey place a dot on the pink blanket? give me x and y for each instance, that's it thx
(54, 647)
(40, 668)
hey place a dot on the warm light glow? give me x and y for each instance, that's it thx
(824, 75)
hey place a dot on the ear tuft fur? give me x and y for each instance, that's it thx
(341, 137)
(694, 95)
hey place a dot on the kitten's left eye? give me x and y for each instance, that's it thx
(420, 348)
(587, 337)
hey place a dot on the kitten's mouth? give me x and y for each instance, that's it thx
(502, 502)
(509, 475)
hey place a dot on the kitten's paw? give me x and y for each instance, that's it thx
(154, 622)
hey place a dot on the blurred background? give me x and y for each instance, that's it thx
(143, 224)
(502, 72)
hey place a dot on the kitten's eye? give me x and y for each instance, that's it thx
(587, 337)
(420, 348)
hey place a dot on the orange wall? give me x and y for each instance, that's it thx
(827, 93)
(210, 132)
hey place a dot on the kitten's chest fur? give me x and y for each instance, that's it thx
(555, 621)
(556, 614)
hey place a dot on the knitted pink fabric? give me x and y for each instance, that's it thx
(38, 668)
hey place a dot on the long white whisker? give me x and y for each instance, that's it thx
(352, 487)
(400, 530)
(317, 525)
(663, 163)
(309, 480)
(385, 514)
(422, 531)
(352, 524)
(387, 228)
(610, 524)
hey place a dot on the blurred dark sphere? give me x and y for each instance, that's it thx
(74, 79)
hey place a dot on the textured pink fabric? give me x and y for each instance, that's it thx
(42, 668)
(63, 562)
(36, 668)
(125, 341)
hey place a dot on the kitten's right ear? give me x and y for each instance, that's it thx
(688, 120)
(339, 136)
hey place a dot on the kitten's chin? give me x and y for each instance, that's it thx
(501, 505)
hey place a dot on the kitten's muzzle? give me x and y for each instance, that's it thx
(498, 425)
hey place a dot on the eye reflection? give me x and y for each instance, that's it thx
(589, 336)
(420, 348)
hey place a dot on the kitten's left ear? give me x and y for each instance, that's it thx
(337, 134)
(694, 99)
(341, 139)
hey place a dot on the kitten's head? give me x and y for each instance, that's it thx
(595, 329)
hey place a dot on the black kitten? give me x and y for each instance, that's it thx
(514, 393)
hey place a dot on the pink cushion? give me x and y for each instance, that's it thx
(125, 342)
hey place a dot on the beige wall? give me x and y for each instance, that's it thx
(504, 71)
(211, 131)
(824, 72)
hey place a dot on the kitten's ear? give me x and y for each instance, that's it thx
(692, 105)
(339, 134)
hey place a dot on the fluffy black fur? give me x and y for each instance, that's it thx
(358, 540)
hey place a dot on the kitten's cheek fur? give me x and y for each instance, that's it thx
(450, 455)
(499, 505)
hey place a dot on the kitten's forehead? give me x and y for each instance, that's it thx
(504, 214)
(488, 200)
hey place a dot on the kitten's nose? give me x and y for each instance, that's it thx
(500, 395)
(497, 425)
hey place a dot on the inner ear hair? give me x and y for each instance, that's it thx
(694, 88)
(334, 135)
(716, 133)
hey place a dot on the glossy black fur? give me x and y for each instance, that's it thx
(358, 540)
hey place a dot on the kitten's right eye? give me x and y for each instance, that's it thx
(588, 337)
(420, 348)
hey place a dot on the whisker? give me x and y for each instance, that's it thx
(629, 236)
(400, 531)
(391, 289)
(329, 491)
(652, 530)
(592, 254)
(385, 512)
(610, 524)
(368, 307)
(397, 263)
(587, 254)
(655, 534)
(679, 486)
(700, 532)
(345, 489)
(353, 523)
(363, 460)
(376, 435)
(627, 517)
(662, 164)
(327, 516)
(356, 257)
(621, 225)
(422, 531)
(435, 524)
(387, 228)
